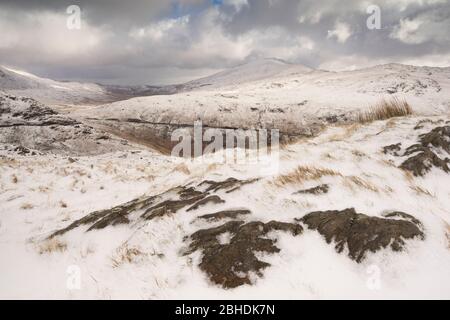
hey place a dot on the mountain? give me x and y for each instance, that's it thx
(50, 91)
(255, 70)
(31, 127)
(273, 94)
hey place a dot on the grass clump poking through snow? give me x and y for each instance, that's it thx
(304, 173)
(386, 109)
(52, 245)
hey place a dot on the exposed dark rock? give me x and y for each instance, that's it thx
(360, 233)
(109, 217)
(148, 208)
(112, 219)
(322, 189)
(230, 184)
(210, 199)
(189, 193)
(230, 265)
(422, 162)
(392, 149)
(169, 206)
(103, 137)
(438, 137)
(423, 157)
(402, 215)
(233, 214)
(21, 150)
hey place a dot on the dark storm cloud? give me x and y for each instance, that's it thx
(166, 41)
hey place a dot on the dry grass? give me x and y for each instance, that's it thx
(354, 181)
(359, 153)
(408, 176)
(52, 245)
(348, 131)
(447, 234)
(182, 168)
(302, 174)
(26, 206)
(386, 109)
(125, 254)
(421, 191)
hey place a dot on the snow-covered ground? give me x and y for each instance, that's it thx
(273, 94)
(344, 210)
(27, 123)
(146, 259)
(22, 83)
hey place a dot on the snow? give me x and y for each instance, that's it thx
(272, 94)
(49, 91)
(306, 268)
(75, 176)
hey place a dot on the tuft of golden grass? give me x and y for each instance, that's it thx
(351, 181)
(419, 190)
(52, 245)
(125, 254)
(348, 131)
(26, 206)
(408, 176)
(302, 174)
(448, 234)
(386, 109)
(182, 168)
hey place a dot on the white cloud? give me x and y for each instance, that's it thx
(341, 32)
(46, 37)
(408, 31)
(159, 30)
(429, 26)
(237, 4)
(195, 35)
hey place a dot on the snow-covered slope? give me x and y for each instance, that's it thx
(155, 247)
(31, 127)
(255, 70)
(295, 100)
(50, 91)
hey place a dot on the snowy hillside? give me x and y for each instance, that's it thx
(30, 127)
(50, 91)
(259, 69)
(344, 208)
(273, 94)
(360, 211)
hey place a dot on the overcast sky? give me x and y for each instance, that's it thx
(172, 41)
